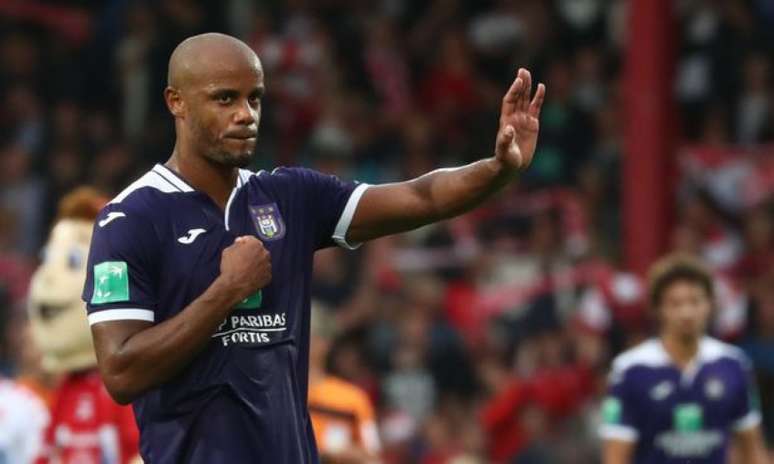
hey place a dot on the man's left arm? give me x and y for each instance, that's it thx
(750, 447)
(748, 438)
(444, 193)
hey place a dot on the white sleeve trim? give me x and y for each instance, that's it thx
(340, 233)
(121, 314)
(618, 432)
(750, 420)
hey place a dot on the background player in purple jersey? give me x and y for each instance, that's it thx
(210, 383)
(684, 397)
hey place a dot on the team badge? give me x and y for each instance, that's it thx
(661, 391)
(268, 221)
(714, 389)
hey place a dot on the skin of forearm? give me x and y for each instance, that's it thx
(437, 195)
(450, 192)
(154, 355)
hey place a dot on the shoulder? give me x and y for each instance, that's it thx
(349, 392)
(334, 389)
(155, 183)
(714, 350)
(143, 202)
(649, 354)
(288, 175)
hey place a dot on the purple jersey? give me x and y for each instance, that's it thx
(679, 416)
(157, 247)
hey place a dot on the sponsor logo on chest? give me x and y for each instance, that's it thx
(245, 326)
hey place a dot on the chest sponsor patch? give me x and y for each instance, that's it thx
(251, 302)
(688, 417)
(247, 328)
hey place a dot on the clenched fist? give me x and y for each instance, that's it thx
(245, 266)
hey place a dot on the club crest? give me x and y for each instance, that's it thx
(268, 221)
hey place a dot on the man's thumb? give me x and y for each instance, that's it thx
(506, 137)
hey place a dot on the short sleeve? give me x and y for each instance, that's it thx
(618, 411)
(120, 274)
(330, 204)
(746, 409)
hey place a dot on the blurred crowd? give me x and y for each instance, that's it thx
(486, 338)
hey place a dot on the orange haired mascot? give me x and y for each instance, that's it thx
(86, 426)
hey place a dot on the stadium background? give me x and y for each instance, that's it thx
(487, 337)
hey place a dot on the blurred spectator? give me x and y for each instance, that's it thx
(342, 415)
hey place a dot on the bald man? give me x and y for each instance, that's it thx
(198, 289)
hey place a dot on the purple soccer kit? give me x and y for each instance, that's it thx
(157, 247)
(680, 417)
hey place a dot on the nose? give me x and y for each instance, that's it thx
(245, 114)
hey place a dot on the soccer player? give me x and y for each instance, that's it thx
(681, 397)
(198, 290)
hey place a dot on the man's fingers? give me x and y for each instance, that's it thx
(512, 96)
(527, 90)
(537, 101)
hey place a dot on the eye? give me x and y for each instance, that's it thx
(224, 99)
(75, 259)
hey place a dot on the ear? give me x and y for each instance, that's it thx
(174, 101)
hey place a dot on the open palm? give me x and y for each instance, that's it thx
(519, 122)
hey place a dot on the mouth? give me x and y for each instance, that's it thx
(244, 136)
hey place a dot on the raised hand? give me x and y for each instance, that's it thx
(519, 122)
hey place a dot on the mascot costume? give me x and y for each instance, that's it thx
(86, 426)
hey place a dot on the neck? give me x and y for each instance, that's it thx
(215, 180)
(682, 350)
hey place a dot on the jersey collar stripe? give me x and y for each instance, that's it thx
(245, 174)
(340, 233)
(147, 180)
(167, 181)
(133, 314)
(228, 206)
(173, 177)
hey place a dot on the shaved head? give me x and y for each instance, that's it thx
(214, 91)
(193, 56)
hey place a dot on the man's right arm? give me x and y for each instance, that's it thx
(617, 452)
(619, 430)
(134, 356)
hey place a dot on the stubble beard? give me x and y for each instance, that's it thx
(214, 151)
(230, 160)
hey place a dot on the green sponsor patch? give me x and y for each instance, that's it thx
(251, 302)
(111, 282)
(611, 410)
(688, 417)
